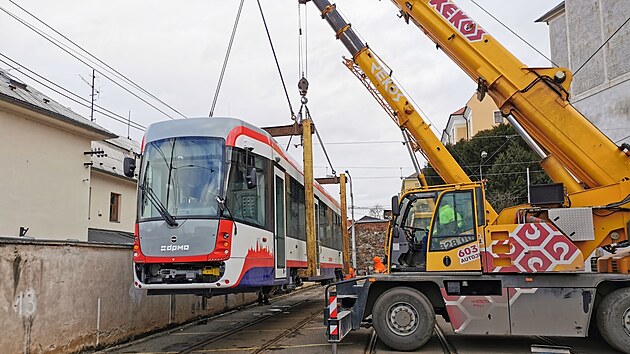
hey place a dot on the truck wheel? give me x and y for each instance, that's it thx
(403, 318)
(613, 319)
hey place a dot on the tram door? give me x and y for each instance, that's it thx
(281, 227)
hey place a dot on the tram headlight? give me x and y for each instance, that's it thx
(226, 235)
(226, 252)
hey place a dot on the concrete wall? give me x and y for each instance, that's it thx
(43, 183)
(50, 294)
(601, 89)
(102, 185)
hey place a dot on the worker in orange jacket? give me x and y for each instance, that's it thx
(350, 274)
(379, 267)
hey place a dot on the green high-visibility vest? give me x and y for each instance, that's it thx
(447, 215)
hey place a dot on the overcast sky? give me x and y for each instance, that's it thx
(175, 49)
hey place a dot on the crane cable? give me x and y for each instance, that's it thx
(275, 57)
(303, 42)
(303, 82)
(227, 57)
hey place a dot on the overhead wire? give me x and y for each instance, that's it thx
(490, 174)
(325, 152)
(514, 33)
(71, 95)
(99, 61)
(226, 59)
(75, 55)
(600, 47)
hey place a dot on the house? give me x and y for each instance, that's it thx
(45, 154)
(601, 83)
(112, 197)
(471, 119)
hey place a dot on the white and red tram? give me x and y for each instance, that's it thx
(221, 209)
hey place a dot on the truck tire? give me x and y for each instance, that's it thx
(403, 318)
(613, 319)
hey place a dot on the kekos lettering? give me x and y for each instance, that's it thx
(468, 254)
(173, 248)
(383, 77)
(464, 24)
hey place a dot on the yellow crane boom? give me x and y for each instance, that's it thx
(536, 97)
(402, 111)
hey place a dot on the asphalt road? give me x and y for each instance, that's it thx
(294, 324)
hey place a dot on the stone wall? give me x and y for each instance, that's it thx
(370, 240)
(63, 297)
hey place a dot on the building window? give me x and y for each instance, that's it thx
(498, 118)
(114, 207)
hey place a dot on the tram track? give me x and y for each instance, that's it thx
(370, 347)
(288, 332)
(272, 312)
(205, 342)
(447, 346)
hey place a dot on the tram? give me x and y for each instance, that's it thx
(221, 209)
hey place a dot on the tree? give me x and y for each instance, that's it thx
(504, 167)
(376, 211)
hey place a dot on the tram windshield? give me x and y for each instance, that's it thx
(183, 177)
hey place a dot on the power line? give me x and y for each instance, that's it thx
(76, 98)
(489, 174)
(600, 47)
(120, 75)
(411, 167)
(69, 51)
(514, 33)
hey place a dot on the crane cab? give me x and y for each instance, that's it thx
(437, 229)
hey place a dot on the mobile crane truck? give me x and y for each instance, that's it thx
(520, 272)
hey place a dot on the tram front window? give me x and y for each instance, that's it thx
(185, 174)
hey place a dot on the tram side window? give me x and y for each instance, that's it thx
(248, 205)
(321, 220)
(454, 223)
(326, 234)
(330, 236)
(296, 211)
(337, 232)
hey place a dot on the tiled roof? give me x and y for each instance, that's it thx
(17, 92)
(459, 111)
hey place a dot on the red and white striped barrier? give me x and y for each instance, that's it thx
(332, 306)
(333, 323)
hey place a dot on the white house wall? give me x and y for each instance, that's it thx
(102, 186)
(44, 184)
